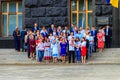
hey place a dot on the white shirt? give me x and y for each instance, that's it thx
(40, 46)
(51, 38)
(83, 44)
(67, 31)
(78, 44)
(70, 37)
(87, 37)
(71, 48)
(107, 32)
(43, 32)
(91, 39)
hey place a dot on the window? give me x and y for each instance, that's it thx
(81, 13)
(11, 17)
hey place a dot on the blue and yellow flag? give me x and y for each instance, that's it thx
(114, 3)
(108, 1)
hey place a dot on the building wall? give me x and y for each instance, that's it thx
(103, 9)
(0, 19)
(46, 12)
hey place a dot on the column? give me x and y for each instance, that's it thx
(0, 19)
(115, 28)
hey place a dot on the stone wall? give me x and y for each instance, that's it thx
(103, 9)
(0, 19)
(46, 12)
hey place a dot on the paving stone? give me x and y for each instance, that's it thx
(71, 72)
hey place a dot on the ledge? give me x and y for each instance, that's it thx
(6, 38)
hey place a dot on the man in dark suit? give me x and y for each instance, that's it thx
(72, 28)
(51, 28)
(35, 27)
(94, 34)
(23, 33)
(108, 36)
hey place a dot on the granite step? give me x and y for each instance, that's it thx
(10, 56)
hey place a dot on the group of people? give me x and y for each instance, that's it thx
(56, 44)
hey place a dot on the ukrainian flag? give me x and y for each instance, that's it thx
(108, 1)
(114, 3)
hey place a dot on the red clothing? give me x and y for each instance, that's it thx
(83, 51)
(100, 37)
(32, 45)
(48, 57)
(38, 41)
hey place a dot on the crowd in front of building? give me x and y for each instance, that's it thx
(72, 45)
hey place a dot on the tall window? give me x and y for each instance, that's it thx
(11, 17)
(81, 13)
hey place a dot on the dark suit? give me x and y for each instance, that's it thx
(51, 30)
(23, 33)
(28, 45)
(44, 34)
(94, 34)
(108, 36)
(33, 28)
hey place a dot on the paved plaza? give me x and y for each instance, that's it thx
(60, 72)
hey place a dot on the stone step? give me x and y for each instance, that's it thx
(109, 56)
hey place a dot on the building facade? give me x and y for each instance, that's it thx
(82, 13)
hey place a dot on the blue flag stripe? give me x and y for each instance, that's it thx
(108, 1)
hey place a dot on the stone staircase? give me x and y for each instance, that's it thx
(10, 56)
(109, 56)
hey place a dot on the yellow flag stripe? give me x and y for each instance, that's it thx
(114, 3)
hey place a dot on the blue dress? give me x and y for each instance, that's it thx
(55, 52)
(16, 40)
(63, 49)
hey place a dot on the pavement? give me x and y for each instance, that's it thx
(11, 57)
(67, 72)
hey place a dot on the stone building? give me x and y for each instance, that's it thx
(82, 13)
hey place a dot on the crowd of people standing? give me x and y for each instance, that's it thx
(72, 45)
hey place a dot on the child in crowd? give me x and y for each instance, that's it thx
(47, 53)
(40, 48)
(38, 40)
(63, 51)
(51, 37)
(32, 47)
(55, 51)
(83, 50)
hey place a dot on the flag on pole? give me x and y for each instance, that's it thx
(114, 3)
(108, 1)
